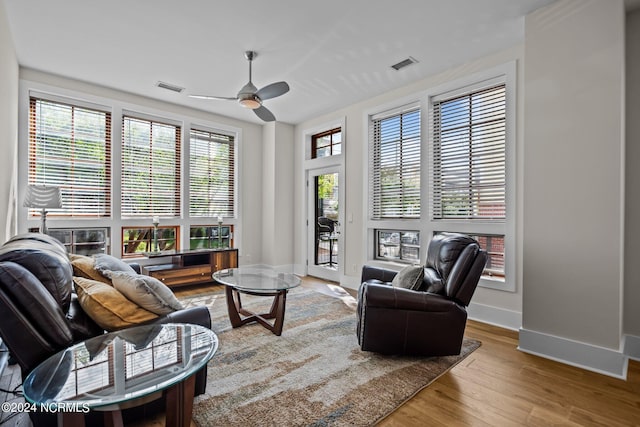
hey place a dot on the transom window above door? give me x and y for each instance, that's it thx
(325, 144)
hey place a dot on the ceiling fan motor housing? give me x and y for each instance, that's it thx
(247, 96)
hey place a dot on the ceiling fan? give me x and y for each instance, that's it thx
(250, 97)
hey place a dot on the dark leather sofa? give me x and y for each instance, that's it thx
(40, 312)
(429, 321)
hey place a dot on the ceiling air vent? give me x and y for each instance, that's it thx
(404, 63)
(170, 87)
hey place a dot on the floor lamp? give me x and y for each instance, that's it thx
(43, 197)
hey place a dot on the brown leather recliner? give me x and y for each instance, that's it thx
(429, 321)
(40, 312)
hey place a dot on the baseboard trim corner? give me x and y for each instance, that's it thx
(496, 316)
(632, 347)
(582, 355)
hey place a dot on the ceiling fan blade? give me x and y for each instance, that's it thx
(273, 90)
(222, 98)
(264, 113)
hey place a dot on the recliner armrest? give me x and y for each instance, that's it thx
(382, 296)
(377, 273)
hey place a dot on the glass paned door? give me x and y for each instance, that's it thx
(324, 226)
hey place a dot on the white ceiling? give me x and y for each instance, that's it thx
(332, 52)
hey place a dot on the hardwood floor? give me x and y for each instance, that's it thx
(497, 385)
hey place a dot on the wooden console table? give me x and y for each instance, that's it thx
(190, 267)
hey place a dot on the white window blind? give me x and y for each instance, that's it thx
(212, 174)
(150, 168)
(395, 165)
(468, 156)
(70, 148)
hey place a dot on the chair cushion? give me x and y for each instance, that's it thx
(108, 307)
(84, 266)
(105, 264)
(148, 292)
(410, 277)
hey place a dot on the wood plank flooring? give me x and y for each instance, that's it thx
(497, 385)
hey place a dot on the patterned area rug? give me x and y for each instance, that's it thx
(313, 375)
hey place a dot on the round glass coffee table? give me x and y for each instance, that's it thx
(260, 281)
(123, 369)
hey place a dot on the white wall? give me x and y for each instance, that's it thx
(277, 184)
(249, 236)
(8, 128)
(495, 306)
(632, 213)
(573, 183)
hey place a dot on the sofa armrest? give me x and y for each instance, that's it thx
(382, 296)
(377, 273)
(33, 325)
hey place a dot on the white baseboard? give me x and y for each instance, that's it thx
(632, 347)
(582, 355)
(497, 316)
(300, 269)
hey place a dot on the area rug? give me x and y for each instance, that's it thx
(314, 374)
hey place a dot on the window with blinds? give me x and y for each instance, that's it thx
(468, 156)
(395, 165)
(70, 148)
(212, 174)
(150, 168)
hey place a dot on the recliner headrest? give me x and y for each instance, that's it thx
(444, 250)
(46, 260)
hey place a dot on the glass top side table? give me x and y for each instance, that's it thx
(261, 281)
(126, 368)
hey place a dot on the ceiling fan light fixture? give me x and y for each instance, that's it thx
(252, 102)
(250, 97)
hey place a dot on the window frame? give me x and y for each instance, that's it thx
(73, 246)
(109, 102)
(68, 183)
(375, 205)
(232, 173)
(330, 133)
(505, 73)
(149, 240)
(471, 160)
(401, 244)
(175, 210)
(211, 229)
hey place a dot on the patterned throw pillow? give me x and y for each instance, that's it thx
(409, 277)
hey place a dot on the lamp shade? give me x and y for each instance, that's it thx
(42, 197)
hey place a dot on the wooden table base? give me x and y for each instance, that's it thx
(234, 306)
(178, 409)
